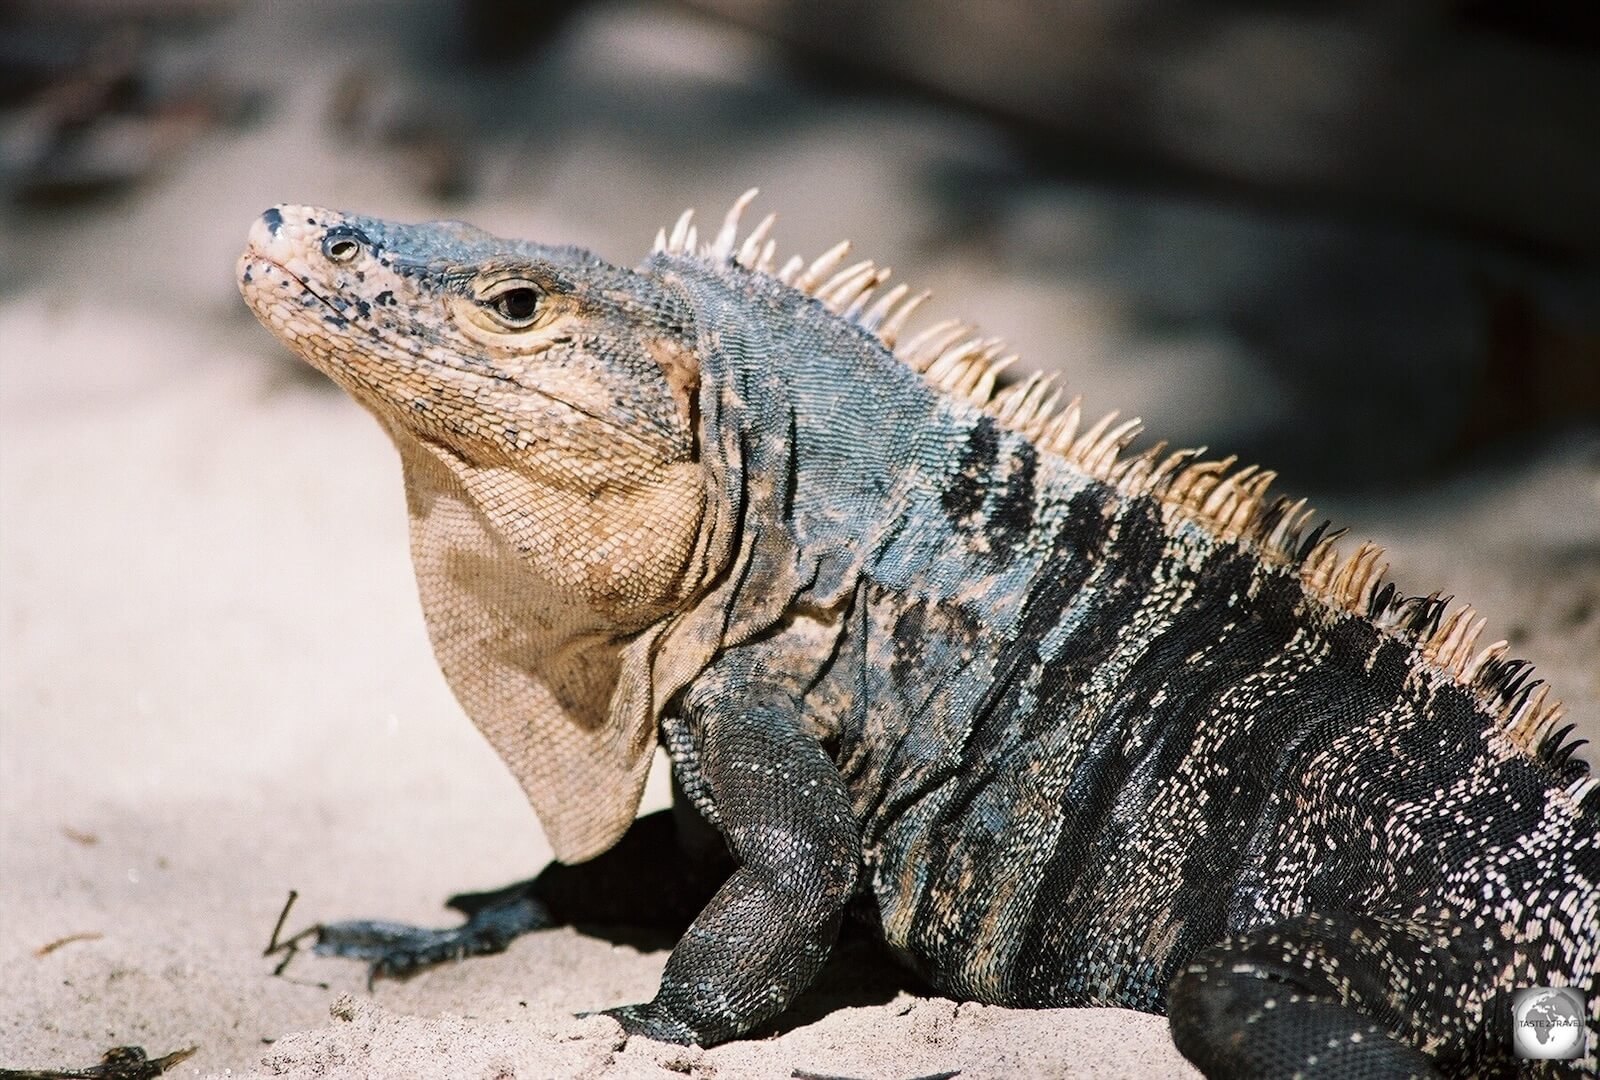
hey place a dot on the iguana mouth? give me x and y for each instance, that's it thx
(252, 257)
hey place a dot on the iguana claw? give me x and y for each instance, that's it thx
(397, 950)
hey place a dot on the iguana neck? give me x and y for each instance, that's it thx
(819, 433)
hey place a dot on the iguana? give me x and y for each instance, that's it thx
(1064, 724)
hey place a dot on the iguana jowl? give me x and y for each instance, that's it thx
(1074, 726)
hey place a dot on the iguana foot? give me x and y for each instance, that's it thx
(651, 1021)
(396, 950)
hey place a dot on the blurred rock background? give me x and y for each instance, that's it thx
(1359, 244)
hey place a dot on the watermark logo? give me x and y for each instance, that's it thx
(1548, 1023)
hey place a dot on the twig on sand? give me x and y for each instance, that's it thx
(289, 946)
(51, 946)
(118, 1063)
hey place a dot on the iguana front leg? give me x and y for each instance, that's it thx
(782, 808)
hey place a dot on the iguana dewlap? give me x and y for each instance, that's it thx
(1072, 726)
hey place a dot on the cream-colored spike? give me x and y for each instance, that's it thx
(1288, 524)
(853, 309)
(1432, 645)
(1547, 726)
(1253, 502)
(661, 241)
(750, 250)
(1059, 432)
(823, 291)
(1307, 516)
(1463, 654)
(791, 269)
(677, 242)
(969, 376)
(842, 287)
(1081, 449)
(983, 392)
(1233, 506)
(1218, 502)
(1041, 409)
(769, 251)
(1483, 659)
(1132, 475)
(1243, 513)
(1004, 404)
(945, 365)
(722, 246)
(1320, 565)
(890, 332)
(1364, 582)
(1195, 481)
(992, 348)
(1234, 514)
(823, 266)
(1008, 403)
(1535, 722)
(1104, 453)
(979, 372)
(874, 315)
(1527, 718)
(1396, 614)
(1163, 475)
(1227, 489)
(1352, 585)
(1202, 486)
(1444, 643)
(922, 350)
(1536, 707)
(964, 379)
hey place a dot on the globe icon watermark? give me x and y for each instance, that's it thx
(1548, 1023)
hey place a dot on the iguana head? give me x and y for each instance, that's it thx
(544, 406)
(541, 363)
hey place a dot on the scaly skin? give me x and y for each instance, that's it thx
(1077, 728)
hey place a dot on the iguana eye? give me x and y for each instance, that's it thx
(516, 306)
(342, 244)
